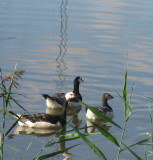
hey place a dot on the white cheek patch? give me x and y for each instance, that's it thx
(69, 96)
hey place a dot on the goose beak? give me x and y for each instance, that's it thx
(111, 97)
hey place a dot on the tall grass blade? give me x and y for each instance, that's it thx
(26, 151)
(129, 112)
(133, 153)
(77, 135)
(138, 143)
(14, 124)
(150, 115)
(146, 156)
(36, 157)
(10, 88)
(104, 132)
(15, 101)
(125, 91)
(12, 148)
(131, 91)
(0, 137)
(79, 128)
(54, 153)
(90, 144)
(65, 140)
(73, 136)
(5, 105)
(8, 114)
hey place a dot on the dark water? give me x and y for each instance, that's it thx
(54, 41)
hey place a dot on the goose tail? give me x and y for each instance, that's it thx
(14, 114)
(47, 96)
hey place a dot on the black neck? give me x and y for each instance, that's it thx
(104, 103)
(76, 90)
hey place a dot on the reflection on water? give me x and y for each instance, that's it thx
(20, 130)
(61, 65)
(90, 127)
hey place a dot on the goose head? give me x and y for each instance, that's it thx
(78, 80)
(69, 96)
(107, 96)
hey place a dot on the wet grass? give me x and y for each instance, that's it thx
(6, 96)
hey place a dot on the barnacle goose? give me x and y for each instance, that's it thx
(43, 120)
(105, 109)
(57, 99)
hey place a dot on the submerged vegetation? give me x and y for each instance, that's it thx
(7, 93)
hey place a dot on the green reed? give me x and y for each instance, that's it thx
(127, 111)
(6, 96)
(127, 114)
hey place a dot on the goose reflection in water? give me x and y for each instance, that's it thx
(90, 128)
(22, 130)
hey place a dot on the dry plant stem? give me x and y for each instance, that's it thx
(3, 132)
(6, 98)
(2, 137)
(3, 128)
(16, 75)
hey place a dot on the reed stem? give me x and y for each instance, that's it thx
(121, 141)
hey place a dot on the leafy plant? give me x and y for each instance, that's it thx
(6, 97)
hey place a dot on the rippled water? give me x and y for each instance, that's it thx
(54, 41)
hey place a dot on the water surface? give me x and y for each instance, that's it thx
(55, 41)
